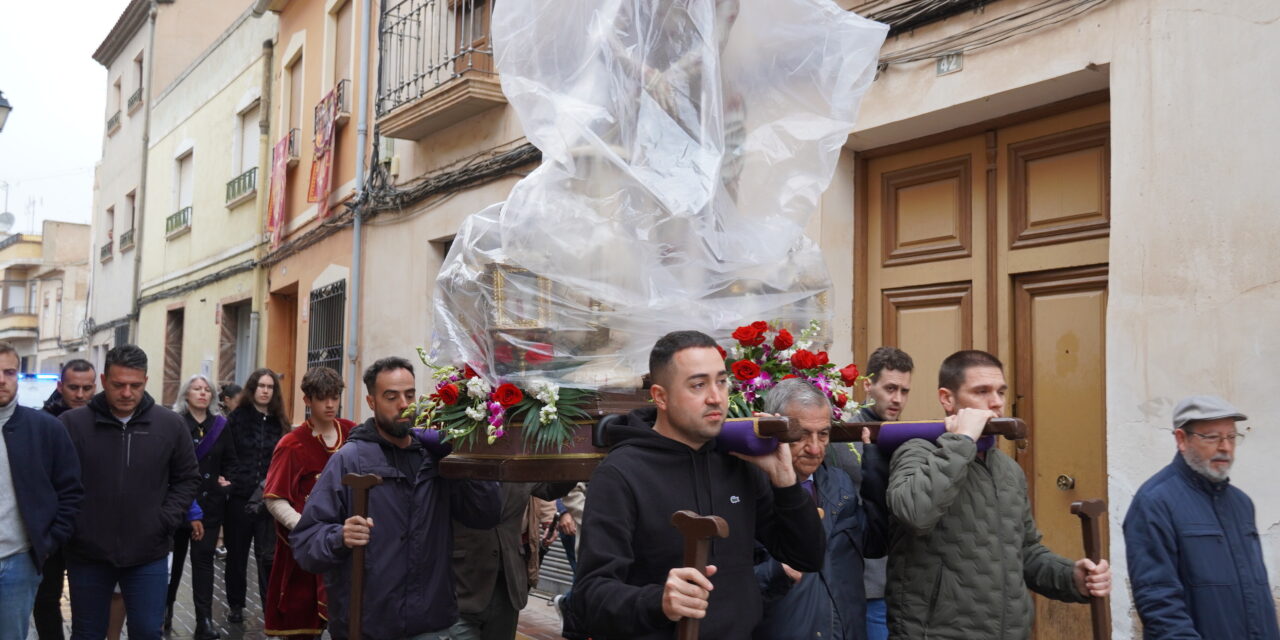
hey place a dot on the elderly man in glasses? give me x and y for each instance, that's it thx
(1195, 560)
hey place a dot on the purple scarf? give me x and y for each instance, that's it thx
(210, 438)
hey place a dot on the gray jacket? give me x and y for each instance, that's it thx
(965, 547)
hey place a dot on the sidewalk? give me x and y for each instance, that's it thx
(538, 619)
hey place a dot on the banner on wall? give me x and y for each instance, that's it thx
(322, 164)
(275, 202)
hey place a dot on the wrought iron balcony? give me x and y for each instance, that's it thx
(437, 65)
(295, 148)
(178, 223)
(104, 254)
(113, 123)
(343, 91)
(135, 99)
(241, 187)
(126, 241)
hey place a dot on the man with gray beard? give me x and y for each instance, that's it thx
(1195, 560)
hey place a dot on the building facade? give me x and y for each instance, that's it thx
(1077, 187)
(118, 180)
(199, 296)
(307, 265)
(45, 290)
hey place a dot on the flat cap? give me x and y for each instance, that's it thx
(1195, 408)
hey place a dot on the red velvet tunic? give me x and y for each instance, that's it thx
(296, 601)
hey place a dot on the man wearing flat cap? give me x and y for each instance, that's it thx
(1195, 560)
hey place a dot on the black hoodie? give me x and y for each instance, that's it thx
(139, 479)
(628, 544)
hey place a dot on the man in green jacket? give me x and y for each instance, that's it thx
(963, 545)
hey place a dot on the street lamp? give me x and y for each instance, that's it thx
(4, 110)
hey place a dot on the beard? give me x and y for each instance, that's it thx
(394, 428)
(1204, 467)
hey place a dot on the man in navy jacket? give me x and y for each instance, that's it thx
(1195, 560)
(831, 602)
(40, 494)
(408, 535)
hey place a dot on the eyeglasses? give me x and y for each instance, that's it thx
(1216, 438)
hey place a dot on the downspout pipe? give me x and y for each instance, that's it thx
(263, 199)
(362, 136)
(140, 202)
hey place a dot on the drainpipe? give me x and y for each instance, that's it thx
(362, 129)
(263, 198)
(140, 202)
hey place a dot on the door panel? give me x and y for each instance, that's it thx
(1059, 348)
(999, 242)
(936, 321)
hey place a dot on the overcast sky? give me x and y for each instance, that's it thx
(53, 137)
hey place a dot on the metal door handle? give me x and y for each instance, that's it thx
(1066, 482)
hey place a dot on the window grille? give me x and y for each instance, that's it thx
(325, 326)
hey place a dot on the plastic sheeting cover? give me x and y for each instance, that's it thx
(686, 144)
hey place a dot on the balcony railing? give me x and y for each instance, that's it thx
(104, 254)
(241, 186)
(113, 123)
(343, 90)
(178, 222)
(426, 43)
(126, 241)
(295, 142)
(19, 309)
(135, 99)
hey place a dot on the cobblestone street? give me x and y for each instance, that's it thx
(538, 621)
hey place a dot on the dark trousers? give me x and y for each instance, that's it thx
(242, 530)
(48, 609)
(202, 570)
(143, 587)
(181, 540)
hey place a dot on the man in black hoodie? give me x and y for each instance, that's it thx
(631, 582)
(140, 476)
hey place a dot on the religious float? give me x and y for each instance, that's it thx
(685, 147)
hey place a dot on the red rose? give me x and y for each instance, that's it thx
(760, 326)
(469, 373)
(804, 359)
(723, 354)
(783, 340)
(745, 370)
(504, 353)
(790, 376)
(540, 352)
(849, 374)
(749, 336)
(447, 394)
(841, 399)
(508, 394)
(822, 358)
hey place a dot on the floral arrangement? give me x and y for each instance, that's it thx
(764, 355)
(462, 403)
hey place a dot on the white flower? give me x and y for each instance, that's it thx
(478, 388)
(546, 392)
(475, 413)
(547, 414)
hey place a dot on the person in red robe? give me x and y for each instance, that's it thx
(295, 604)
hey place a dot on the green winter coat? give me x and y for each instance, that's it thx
(963, 546)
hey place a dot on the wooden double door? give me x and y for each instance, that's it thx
(996, 239)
